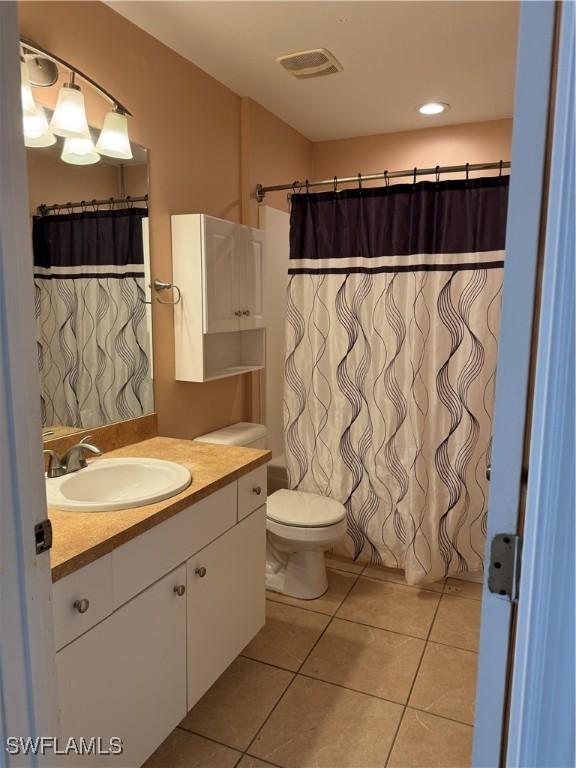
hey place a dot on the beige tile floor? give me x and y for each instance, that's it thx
(374, 674)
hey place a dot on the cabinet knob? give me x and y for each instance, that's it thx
(238, 313)
(179, 589)
(200, 572)
(82, 605)
(246, 312)
(257, 490)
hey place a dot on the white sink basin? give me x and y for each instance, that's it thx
(109, 484)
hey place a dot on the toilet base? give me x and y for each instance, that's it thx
(298, 574)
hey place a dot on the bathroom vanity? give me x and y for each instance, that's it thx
(152, 604)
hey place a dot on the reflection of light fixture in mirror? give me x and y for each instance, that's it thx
(36, 131)
(79, 151)
(69, 118)
(28, 103)
(114, 141)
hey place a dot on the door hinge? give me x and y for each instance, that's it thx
(43, 536)
(505, 560)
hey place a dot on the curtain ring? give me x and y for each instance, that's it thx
(83, 206)
(467, 172)
(111, 203)
(359, 181)
(386, 179)
(414, 179)
(146, 200)
(335, 184)
(500, 172)
(307, 187)
(129, 201)
(437, 174)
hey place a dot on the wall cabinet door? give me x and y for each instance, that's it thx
(251, 265)
(226, 601)
(221, 290)
(126, 677)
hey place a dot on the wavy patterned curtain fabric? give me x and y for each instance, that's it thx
(391, 346)
(92, 337)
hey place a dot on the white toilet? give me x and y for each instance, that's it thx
(301, 526)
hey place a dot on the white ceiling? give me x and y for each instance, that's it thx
(396, 55)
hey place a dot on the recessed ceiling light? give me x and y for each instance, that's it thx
(433, 108)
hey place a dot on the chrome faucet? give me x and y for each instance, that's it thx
(73, 460)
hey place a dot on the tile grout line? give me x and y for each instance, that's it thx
(296, 673)
(414, 680)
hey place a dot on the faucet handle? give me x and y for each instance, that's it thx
(74, 458)
(55, 466)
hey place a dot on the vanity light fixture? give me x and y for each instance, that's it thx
(79, 151)
(69, 118)
(114, 141)
(28, 103)
(433, 108)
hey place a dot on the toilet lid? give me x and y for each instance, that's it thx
(306, 510)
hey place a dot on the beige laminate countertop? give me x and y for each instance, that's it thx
(80, 538)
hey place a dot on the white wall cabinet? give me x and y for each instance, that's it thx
(219, 323)
(136, 673)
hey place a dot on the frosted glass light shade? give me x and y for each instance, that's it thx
(44, 140)
(79, 152)
(37, 124)
(28, 103)
(69, 118)
(113, 140)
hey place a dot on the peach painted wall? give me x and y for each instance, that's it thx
(276, 153)
(428, 147)
(191, 124)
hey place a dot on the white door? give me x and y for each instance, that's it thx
(221, 289)
(226, 601)
(27, 668)
(250, 264)
(512, 403)
(126, 677)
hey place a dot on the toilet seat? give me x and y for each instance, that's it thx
(298, 509)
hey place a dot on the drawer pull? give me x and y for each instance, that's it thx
(82, 605)
(257, 490)
(180, 589)
(246, 312)
(200, 572)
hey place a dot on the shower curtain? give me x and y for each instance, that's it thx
(92, 337)
(391, 342)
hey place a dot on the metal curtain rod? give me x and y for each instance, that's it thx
(43, 209)
(299, 185)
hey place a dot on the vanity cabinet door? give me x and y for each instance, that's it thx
(126, 677)
(226, 601)
(221, 289)
(251, 278)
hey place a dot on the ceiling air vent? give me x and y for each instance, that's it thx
(314, 63)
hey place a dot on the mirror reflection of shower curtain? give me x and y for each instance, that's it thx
(391, 335)
(92, 335)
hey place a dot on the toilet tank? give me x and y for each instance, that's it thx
(243, 433)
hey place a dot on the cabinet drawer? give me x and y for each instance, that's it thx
(140, 562)
(252, 491)
(81, 600)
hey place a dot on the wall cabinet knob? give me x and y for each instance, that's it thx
(246, 312)
(180, 589)
(257, 490)
(82, 605)
(200, 572)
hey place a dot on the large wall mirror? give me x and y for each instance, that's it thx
(91, 281)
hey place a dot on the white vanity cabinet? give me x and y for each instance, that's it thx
(126, 677)
(219, 322)
(167, 612)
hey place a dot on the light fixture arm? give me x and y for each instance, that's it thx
(30, 46)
